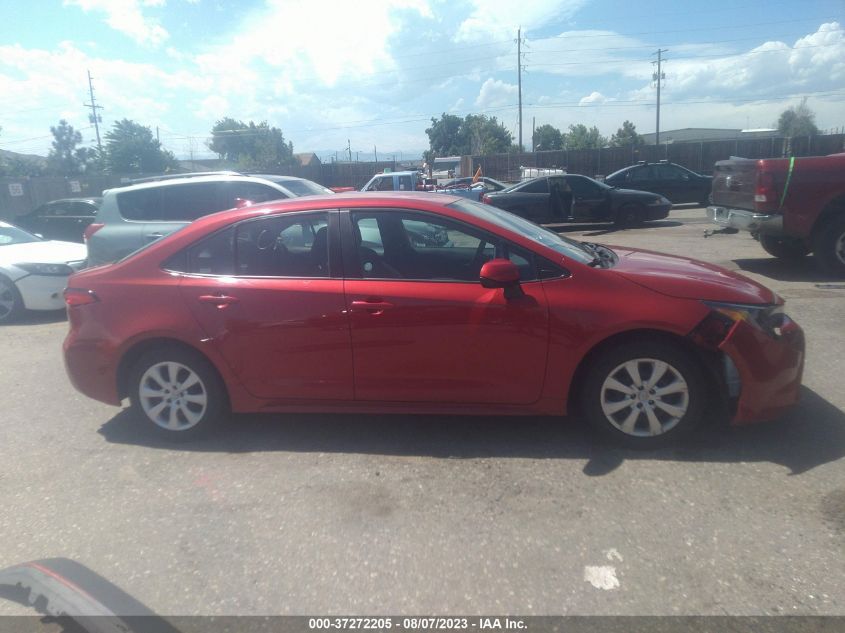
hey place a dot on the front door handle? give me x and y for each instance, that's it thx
(154, 236)
(371, 307)
(221, 301)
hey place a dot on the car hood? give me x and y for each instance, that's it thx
(47, 252)
(689, 278)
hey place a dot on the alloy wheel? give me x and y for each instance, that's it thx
(644, 397)
(173, 396)
(839, 248)
(8, 298)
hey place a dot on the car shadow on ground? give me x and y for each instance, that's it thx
(804, 269)
(605, 228)
(811, 434)
(40, 317)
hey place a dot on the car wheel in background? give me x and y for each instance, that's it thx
(629, 215)
(177, 393)
(644, 394)
(11, 302)
(784, 247)
(829, 246)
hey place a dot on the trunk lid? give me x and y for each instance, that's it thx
(735, 183)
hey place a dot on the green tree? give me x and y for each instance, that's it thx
(131, 148)
(798, 120)
(547, 137)
(444, 135)
(626, 136)
(62, 158)
(474, 134)
(253, 146)
(580, 137)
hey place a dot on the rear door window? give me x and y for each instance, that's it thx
(639, 174)
(541, 185)
(252, 191)
(171, 203)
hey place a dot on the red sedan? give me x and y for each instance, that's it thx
(422, 303)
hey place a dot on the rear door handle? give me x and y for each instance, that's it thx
(154, 236)
(372, 307)
(221, 301)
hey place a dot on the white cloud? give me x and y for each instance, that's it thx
(502, 17)
(127, 17)
(495, 92)
(593, 97)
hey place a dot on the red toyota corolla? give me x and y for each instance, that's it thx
(423, 303)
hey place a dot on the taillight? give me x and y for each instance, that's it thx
(79, 297)
(765, 192)
(91, 229)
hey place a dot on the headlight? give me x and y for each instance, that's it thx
(768, 318)
(47, 269)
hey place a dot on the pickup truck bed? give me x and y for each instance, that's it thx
(794, 206)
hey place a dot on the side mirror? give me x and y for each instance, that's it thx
(501, 273)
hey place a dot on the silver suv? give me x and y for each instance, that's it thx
(138, 214)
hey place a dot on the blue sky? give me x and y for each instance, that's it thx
(374, 72)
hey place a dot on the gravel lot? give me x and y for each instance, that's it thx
(356, 514)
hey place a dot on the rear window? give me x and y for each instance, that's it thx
(174, 203)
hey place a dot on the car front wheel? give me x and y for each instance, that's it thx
(829, 246)
(11, 303)
(177, 393)
(644, 394)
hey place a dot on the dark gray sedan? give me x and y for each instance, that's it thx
(573, 198)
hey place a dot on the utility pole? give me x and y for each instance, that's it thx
(658, 77)
(519, 79)
(375, 153)
(533, 133)
(94, 117)
(157, 139)
(349, 149)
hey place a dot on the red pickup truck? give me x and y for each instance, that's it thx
(794, 206)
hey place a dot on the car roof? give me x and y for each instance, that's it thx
(172, 182)
(278, 178)
(89, 199)
(407, 172)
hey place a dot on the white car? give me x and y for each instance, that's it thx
(34, 271)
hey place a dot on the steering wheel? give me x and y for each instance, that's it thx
(264, 240)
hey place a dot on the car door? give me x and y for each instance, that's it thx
(54, 220)
(531, 200)
(675, 184)
(173, 206)
(270, 298)
(81, 215)
(589, 200)
(423, 328)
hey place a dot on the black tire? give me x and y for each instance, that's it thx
(629, 215)
(829, 246)
(11, 302)
(203, 418)
(610, 363)
(784, 247)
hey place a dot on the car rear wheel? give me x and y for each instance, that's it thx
(829, 246)
(11, 302)
(784, 247)
(644, 394)
(177, 393)
(629, 215)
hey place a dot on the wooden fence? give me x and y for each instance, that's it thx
(698, 156)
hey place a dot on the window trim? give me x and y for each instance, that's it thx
(335, 265)
(350, 262)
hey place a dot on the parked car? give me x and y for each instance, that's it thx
(33, 271)
(487, 184)
(793, 206)
(282, 307)
(576, 198)
(413, 181)
(64, 220)
(670, 180)
(133, 216)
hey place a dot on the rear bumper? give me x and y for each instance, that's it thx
(770, 370)
(89, 365)
(744, 220)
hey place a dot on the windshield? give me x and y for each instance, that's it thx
(13, 235)
(305, 188)
(534, 232)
